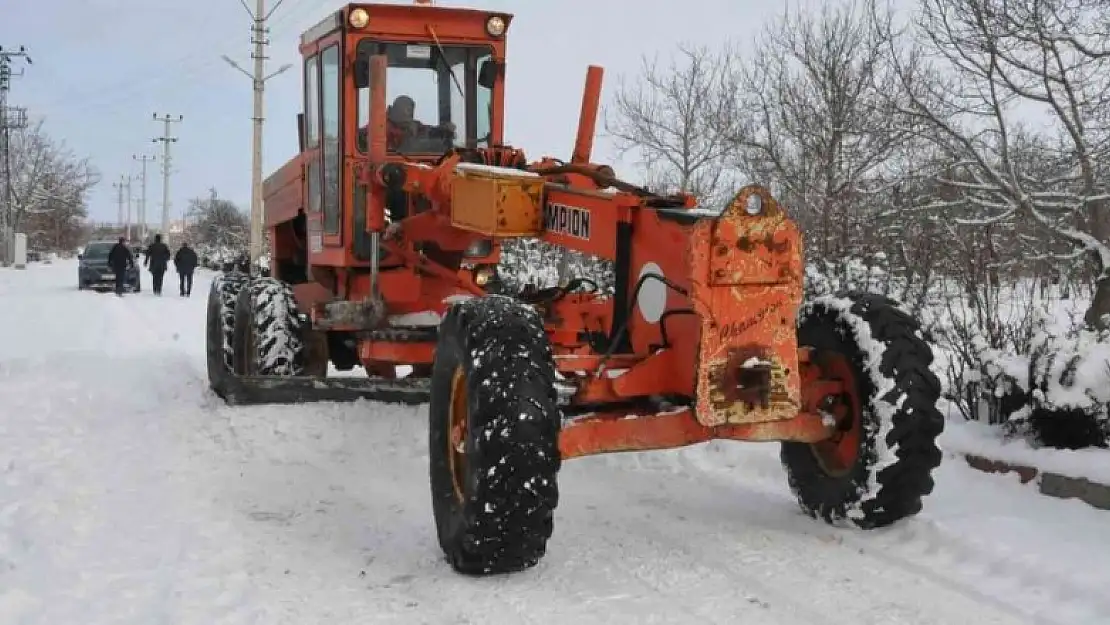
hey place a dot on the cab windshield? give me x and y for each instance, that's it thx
(434, 98)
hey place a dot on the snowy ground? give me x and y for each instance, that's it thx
(129, 494)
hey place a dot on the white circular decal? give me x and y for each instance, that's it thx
(652, 298)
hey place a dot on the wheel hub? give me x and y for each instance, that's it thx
(457, 429)
(838, 454)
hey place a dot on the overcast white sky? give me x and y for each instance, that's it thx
(103, 67)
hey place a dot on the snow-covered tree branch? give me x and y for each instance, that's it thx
(217, 223)
(670, 118)
(49, 188)
(1016, 93)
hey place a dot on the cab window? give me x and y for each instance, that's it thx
(312, 129)
(329, 115)
(434, 99)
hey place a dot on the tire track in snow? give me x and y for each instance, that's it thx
(213, 583)
(194, 369)
(737, 538)
(921, 545)
(250, 426)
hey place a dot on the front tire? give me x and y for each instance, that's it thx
(879, 467)
(493, 435)
(269, 336)
(220, 329)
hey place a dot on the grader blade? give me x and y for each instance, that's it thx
(257, 390)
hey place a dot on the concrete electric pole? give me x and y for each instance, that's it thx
(167, 163)
(259, 33)
(144, 159)
(119, 186)
(10, 119)
(127, 185)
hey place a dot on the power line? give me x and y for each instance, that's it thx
(259, 37)
(186, 67)
(166, 139)
(10, 119)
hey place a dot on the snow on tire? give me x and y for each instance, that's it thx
(887, 448)
(220, 327)
(493, 435)
(269, 330)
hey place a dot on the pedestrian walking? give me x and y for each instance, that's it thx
(186, 263)
(157, 259)
(120, 260)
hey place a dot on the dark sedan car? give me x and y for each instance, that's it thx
(93, 271)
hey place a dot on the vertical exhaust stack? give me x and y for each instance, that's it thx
(587, 118)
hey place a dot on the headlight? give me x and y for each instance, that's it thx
(359, 18)
(495, 26)
(479, 249)
(484, 274)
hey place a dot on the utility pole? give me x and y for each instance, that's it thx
(167, 163)
(119, 186)
(128, 222)
(10, 119)
(142, 201)
(259, 33)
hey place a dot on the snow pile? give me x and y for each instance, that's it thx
(1069, 382)
(984, 440)
(1055, 392)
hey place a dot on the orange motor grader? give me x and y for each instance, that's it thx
(386, 233)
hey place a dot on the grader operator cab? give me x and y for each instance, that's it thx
(386, 233)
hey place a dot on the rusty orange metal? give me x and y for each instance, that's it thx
(748, 289)
(620, 431)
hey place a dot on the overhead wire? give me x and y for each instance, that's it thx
(167, 77)
(181, 72)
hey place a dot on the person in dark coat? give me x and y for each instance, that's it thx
(186, 263)
(158, 260)
(120, 260)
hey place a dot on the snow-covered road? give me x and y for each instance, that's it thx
(130, 494)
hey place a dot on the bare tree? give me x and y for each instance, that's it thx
(670, 117)
(973, 72)
(58, 223)
(816, 123)
(49, 184)
(217, 223)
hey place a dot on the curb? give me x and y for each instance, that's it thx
(1094, 494)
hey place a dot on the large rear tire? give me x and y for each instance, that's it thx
(269, 337)
(493, 435)
(879, 467)
(220, 329)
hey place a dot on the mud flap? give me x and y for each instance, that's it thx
(256, 390)
(747, 274)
